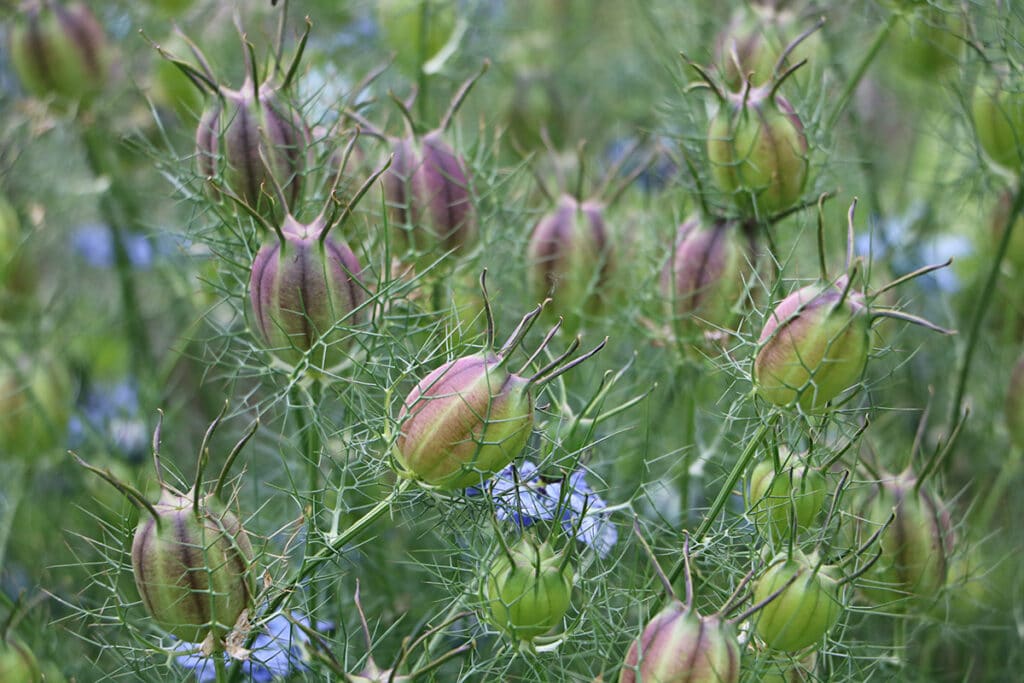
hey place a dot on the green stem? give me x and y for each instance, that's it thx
(723, 495)
(422, 81)
(10, 501)
(862, 68)
(119, 209)
(981, 308)
(219, 668)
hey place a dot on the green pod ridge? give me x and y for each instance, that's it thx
(916, 547)
(303, 287)
(60, 51)
(569, 258)
(35, 402)
(463, 422)
(679, 646)
(804, 612)
(814, 346)
(17, 663)
(252, 141)
(998, 115)
(528, 590)
(706, 277)
(795, 491)
(758, 152)
(191, 567)
(429, 198)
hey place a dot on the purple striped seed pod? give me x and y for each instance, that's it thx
(304, 286)
(430, 201)
(60, 51)
(569, 258)
(463, 422)
(758, 151)
(680, 646)
(706, 278)
(253, 141)
(814, 346)
(191, 567)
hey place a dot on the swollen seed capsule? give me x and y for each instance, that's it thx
(427, 189)
(758, 152)
(569, 258)
(242, 132)
(707, 275)
(796, 491)
(62, 51)
(302, 289)
(813, 347)
(680, 646)
(35, 402)
(527, 592)
(998, 112)
(463, 422)
(803, 612)
(17, 663)
(191, 567)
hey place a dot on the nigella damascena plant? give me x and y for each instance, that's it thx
(472, 416)
(706, 278)
(250, 138)
(428, 190)
(190, 555)
(305, 288)
(815, 342)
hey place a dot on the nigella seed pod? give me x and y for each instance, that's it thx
(569, 258)
(805, 607)
(471, 417)
(304, 287)
(61, 51)
(429, 197)
(777, 499)
(680, 646)
(17, 663)
(997, 109)
(464, 421)
(35, 402)
(814, 346)
(251, 138)
(758, 151)
(527, 590)
(191, 567)
(706, 277)
(917, 545)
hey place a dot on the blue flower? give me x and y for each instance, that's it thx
(111, 410)
(95, 244)
(276, 652)
(521, 495)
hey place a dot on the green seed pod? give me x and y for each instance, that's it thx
(750, 47)
(927, 43)
(427, 189)
(706, 278)
(680, 646)
(1015, 405)
(243, 131)
(997, 109)
(915, 548)
(416, 30)
(758, 151)
(191, 567)
(776, 497)
(528, 590)
(35, 402)
(60, 51)
(569, 258)
(17, 663)
(803, 612)
(813, 347)
(464, 421)
(303, 286)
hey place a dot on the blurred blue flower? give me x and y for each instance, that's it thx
(276, 651)
(111, 410)
(521, 495)
(95, 244)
